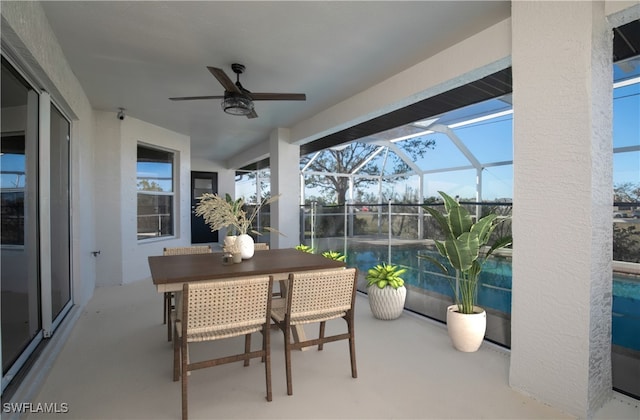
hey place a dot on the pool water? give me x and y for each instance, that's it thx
(495, 287)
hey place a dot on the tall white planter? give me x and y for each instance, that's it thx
(245, 244)
(386, 303)
(466, 330)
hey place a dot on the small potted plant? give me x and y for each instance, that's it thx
(223, 212)
(386, 291)
(304, 248)
(334, 255)
(466, 249)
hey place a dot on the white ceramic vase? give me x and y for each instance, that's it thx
(245, 244)
(466, 330)
(386, 303)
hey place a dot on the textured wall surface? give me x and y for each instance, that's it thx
(562, 217)
(285, 180)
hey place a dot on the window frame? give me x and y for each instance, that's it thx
(173, 208)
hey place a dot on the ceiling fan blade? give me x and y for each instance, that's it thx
(252, 114)
(224, 80)
(277, 96)
(195, 98)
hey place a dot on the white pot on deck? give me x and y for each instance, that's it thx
(466, 330)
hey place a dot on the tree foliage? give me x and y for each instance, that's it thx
(346, 160)
(626, 192)
(145, 185)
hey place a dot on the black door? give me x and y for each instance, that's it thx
(202, 182)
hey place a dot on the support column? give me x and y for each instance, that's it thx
(285, 176)
(563, 160)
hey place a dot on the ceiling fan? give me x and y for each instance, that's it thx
(236, 99)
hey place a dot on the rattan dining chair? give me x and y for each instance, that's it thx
(260, 246)
(217, 310)
(168, 306)
(316, 297)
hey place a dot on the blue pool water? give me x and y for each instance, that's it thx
(495, 287)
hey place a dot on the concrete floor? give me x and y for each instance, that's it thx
(116, 364)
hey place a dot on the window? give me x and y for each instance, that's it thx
(155, 192)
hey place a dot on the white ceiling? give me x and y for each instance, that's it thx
(136, 55)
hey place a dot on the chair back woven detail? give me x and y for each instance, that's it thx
(167, 312)
(317, 295)
(185, 250)
(260, 246)
(226, 307)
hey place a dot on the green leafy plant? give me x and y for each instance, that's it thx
(334, 255)
(304, 248)
(465, 249)
(383, 275)
(219, 212)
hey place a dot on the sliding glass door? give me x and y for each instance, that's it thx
(35, 244)
(59, 213)
(19, 268)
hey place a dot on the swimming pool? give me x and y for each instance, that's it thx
(494, 292)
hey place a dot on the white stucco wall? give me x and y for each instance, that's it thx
(561, 300)
(285, 181)
(108, 169)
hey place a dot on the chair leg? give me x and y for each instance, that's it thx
(177, 358)
(164, 308)
(321, 335)
(247, 348)
(287, 357)
(168, 307)
(352, 348)
(185, 379)
(266, 348)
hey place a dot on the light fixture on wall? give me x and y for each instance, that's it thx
(237, 104)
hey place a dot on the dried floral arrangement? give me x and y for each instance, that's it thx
(219, 212)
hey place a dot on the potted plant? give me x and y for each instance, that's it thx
(466, 249)
(304, 248)
(334, 255)
(219, 212)
(386, 291)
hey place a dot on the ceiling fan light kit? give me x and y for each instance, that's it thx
(237, 100)
(236, 104)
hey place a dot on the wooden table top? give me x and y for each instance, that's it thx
(171, 271)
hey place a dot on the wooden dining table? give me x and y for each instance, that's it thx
(170, 272)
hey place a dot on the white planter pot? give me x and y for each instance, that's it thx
(245, 244)
(466, 330)
(386, 303)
